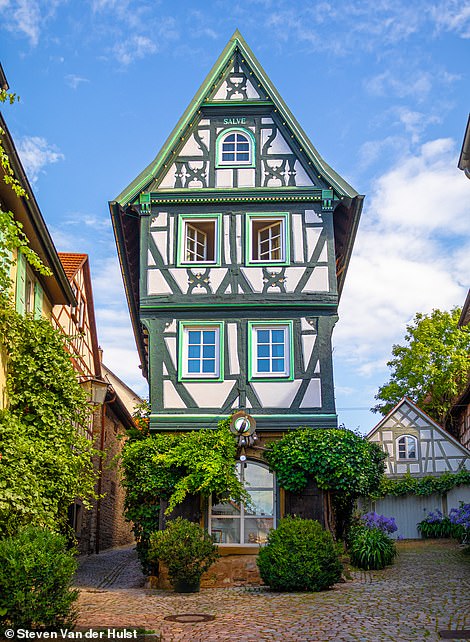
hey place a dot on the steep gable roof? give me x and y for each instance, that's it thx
(72, 262)
(425, 417)
(205, 96)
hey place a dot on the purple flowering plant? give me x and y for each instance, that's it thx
(385, 524)
(460, 517)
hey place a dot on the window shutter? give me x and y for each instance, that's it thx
(20, 282)
(38, 297)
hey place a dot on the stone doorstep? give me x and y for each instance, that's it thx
(229, 570)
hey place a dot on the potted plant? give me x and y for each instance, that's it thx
(187, 550)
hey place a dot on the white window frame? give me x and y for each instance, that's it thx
(272, 237)
(266, 221)
(407, 449)
(190, 222)
(286, 328)
(196, 257)
(242, 516)
(235, 162)
(185, 329)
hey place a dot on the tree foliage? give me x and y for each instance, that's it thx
(431, 368)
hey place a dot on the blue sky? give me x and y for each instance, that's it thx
(381, 87)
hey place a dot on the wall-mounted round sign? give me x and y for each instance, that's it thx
(242, 424)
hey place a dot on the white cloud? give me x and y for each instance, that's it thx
(415, 122)
(75, 81)
(452, 16)
(28, 16)
(133, 48)
(411, 255)
(35, 153)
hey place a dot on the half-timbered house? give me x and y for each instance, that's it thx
(234, 245)
(418, 446)
(103, 525)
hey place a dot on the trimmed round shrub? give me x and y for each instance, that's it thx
(36, 572)
(370, 548)
(299, 556)
(186, 548)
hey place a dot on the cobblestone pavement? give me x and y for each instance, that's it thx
(425, 591)
(118, 568)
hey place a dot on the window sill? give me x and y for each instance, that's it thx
(238, 549)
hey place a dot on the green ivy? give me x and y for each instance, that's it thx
(337, 459)
(169, 467)
(421, 485)
(45, 462)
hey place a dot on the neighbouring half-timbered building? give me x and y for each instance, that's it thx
(234, 244)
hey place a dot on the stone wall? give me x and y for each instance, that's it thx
(229, 570)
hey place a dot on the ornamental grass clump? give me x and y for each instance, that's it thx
(187, 550)
(299, 556)
(36, 572)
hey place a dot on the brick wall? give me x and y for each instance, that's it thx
(104, 526)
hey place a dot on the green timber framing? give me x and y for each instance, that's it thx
(135, 216)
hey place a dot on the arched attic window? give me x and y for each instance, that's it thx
(407, 447)
(235, 148)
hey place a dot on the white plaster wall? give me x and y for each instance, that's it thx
(297, 235)
(312, 398)
(156, 284)
(293, 276)
(318, 280)
(308, 342)
(255, 277)
(234, 365)
(209, 395)
(276, 394)
(171, 398)
(160, 238)
(313, 234)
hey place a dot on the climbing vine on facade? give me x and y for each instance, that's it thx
(45, 459)
(160, 471)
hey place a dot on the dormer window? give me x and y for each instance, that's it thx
(235, 148)
(407, 447)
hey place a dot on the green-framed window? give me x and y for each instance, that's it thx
(200, 350)
(270, 350)
(235, 147)
(267, 238)
(199, 239)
